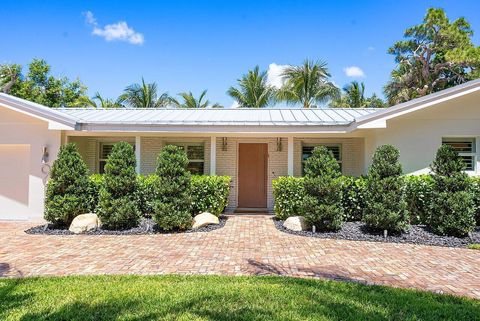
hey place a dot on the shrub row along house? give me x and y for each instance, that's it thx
(252, 146)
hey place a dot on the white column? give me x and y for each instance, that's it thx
(138, 153)
(213, 155)
(290, 155)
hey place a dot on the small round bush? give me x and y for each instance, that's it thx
(117, 205)
(322, 205)
(385, 206)
(452, 210)
(68, 191)
(172, 209)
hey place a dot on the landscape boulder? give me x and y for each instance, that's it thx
(84, 223)
(296, 223)
(204, 219)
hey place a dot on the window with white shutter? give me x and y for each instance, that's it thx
(466, 149)
(336, 150)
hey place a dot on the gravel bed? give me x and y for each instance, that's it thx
(418, 234)
(146, 226)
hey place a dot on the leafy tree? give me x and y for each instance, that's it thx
(435, 55)
(385, 207)
(189, 101)
(68, 190)
(253, 91)
(323, 186)
(307, 84)
(9, 75)
(39, 86)
(375, 102)
(144, 95)
(452, 210)
(117, 204)
(353, 96)
(172, 209)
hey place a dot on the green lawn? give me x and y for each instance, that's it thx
(473, 246)
(220, 298)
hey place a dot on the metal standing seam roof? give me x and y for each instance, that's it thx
(223, 117)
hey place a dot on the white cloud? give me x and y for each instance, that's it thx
(274, 75)
(354, 71)
(89, 18)
(235, 105)
(119, 31)
(371, 48)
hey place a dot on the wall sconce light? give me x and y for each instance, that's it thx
(279, 144)
(44, 155)
(224, 143)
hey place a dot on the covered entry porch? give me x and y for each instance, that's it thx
(252, 161)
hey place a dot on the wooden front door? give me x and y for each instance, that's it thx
(252, 175)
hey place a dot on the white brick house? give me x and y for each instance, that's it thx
(253, 146)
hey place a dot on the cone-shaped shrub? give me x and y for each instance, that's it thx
(323, 187)
(172, 209)
(68, 190)
(452, 210)
(385, 206)
(117, 204)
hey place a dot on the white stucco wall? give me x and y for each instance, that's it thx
(22, 183)
(418, 135)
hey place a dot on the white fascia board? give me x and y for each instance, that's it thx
(213, 129)
(54, 118)
(372, 120)
(52, 125)
(381, 123)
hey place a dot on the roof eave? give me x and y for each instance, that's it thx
(378, 119)
(56, 120)
(219, 129)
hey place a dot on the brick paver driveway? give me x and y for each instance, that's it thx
(246, 245)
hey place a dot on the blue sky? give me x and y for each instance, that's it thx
(196, 45)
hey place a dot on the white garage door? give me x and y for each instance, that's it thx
(14, 181)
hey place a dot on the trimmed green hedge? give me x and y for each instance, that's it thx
(476, 197)
(353, 197)
(147, 193)
(418, 194)
(289, 193)
(209, 193)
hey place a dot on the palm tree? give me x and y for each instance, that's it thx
(144, 96)
(375, 102)
(253, 91)
(355, 94)
(189, 101)
(307, 84)
(105, 102)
